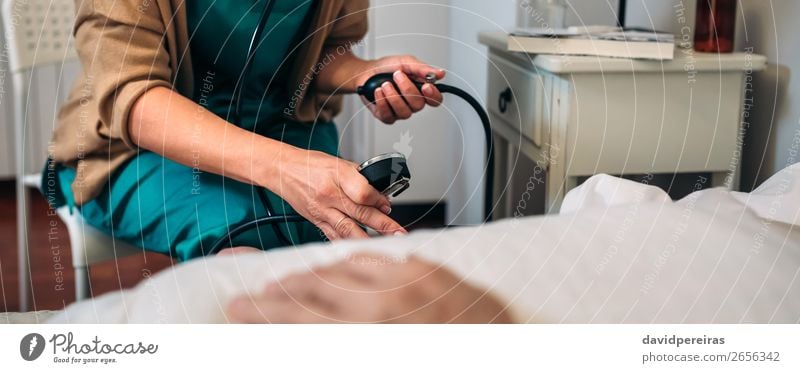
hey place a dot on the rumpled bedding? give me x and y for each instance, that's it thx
(618, 252)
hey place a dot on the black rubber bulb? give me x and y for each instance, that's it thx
(368, 92)
(376, 81)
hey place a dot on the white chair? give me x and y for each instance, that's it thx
(39, 34)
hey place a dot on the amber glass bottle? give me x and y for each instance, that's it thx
(716, 26)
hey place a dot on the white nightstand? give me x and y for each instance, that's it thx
(561, 118)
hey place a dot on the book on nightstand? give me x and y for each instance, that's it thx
(595, 41)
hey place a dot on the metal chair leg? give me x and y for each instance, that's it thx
(20, 120)
(82, 287)
(22, 248)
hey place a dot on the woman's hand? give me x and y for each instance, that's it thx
(331, 194)
(369, 288)
(392, 104)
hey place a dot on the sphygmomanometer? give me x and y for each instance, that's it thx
(387, 173)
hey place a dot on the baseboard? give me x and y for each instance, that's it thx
(419, 215)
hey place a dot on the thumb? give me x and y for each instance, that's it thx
(361, 192)
(420, 71)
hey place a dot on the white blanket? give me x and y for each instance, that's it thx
(619, 252)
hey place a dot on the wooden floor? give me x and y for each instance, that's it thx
(52, 277)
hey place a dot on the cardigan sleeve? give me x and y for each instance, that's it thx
(121, 47)
(351, 24)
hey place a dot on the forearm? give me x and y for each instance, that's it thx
(165, 122)
(341, 73)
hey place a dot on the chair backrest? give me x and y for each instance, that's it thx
(40, 55)
(38, 32)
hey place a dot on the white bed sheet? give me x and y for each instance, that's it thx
(619, 252)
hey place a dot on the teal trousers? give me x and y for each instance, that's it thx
(165, 207)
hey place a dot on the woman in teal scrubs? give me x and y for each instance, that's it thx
(173, 198)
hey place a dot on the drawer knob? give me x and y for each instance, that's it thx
(504, 99)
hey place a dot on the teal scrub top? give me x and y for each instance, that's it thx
(220, 32)
(151, 201)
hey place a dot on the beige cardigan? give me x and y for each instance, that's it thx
(127, 47)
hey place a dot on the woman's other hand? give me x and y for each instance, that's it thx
(332, 194)
(239, 250)
(370, 288)
(392, 104)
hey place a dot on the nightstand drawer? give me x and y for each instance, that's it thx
(516, 96)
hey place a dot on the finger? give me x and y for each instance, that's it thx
(274, 290)
(433, 96)
(386, 272)
(375, 219)
(351, 297)
(324, 289)
(296, 286)
(238, 250)
(372, 266)
(281, 311)
(344, 226)
(371, 106)
(396, 101)
(327, 286)
(299, 287)
(328, 230)
(410, 92)
(349, 267)
(335, 294)
(386, 115)
(418, 70)
(359, 191)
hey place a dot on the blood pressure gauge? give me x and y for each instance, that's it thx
(388, 173)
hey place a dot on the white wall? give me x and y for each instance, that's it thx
(420, 29)
(468, 69)
(769, 27)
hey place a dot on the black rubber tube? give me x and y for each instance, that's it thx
(238, 90)
(376, 81)
(487, 131)
(488, 191)
(227, 240)
(251, 55)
